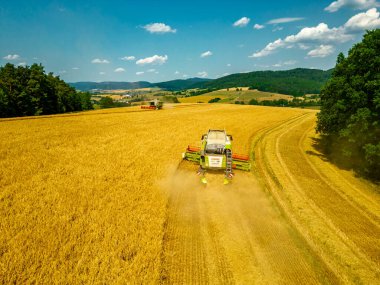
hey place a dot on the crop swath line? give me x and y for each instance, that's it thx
(325, 267)
(372, 218)
(287, 206)
(223, 270)
(328, 205)
(287, 265)
(371, 215)
(184, 254)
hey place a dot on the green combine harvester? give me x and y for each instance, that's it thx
(216, 153)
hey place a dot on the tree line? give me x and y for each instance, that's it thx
(29, 91)
(349, 120)
(298, 103)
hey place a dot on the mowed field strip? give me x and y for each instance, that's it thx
(102, 197)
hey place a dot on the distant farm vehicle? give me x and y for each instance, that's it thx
(215, 153)
(153, 105)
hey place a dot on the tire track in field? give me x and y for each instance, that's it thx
(362, 200)
(292, 192)
(343, 216)
(341, 191)
(233, 235)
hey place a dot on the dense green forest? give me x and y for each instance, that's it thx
(28, 91)
(350, 113)
(296, 82)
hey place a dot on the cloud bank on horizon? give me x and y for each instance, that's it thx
(201, 44)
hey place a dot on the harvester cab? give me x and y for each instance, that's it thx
(215, 153)
(153, 105)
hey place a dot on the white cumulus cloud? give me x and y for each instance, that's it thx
(155, 59)
(322, 34)
(159, 28)
(364, 21)
(119, 69)
(284, 20)
(354, 4)
(102, 73)
(22, 64)
(206, 54)
(202, 74)
(321, 51)
(75, 68)
(303, 46)
(242, 22)
(177, 72)
(128, 58)
(151, 70)
(11, 57)
(98, 60)
(139, 72)
(258, 27)
(269, 49)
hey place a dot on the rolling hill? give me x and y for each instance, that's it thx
(178, 84)
(297, 82)
(111, 85)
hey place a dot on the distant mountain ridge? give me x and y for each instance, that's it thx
(110, 85)
(181, 84)
(172, 85)
(297, 82)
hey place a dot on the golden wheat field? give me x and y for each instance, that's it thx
(102, 197)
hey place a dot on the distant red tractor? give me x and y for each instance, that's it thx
(153, 105)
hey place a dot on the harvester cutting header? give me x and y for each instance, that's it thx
(216, 153)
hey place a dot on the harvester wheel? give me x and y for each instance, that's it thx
(201, 172)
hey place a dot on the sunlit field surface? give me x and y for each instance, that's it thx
(103, 197)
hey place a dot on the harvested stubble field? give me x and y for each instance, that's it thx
(101, 197)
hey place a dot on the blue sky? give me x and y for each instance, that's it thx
(163, 40)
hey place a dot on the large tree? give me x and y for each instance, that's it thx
(350, 112)
(27, 91)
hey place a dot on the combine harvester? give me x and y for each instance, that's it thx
(215, 153)
(153, 105)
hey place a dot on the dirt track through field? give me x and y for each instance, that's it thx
(288, 222)
(230, 235)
